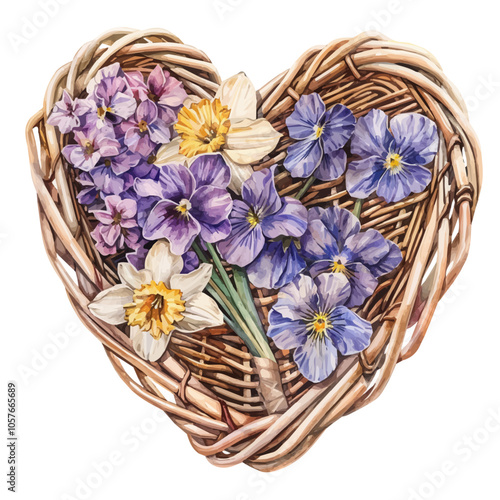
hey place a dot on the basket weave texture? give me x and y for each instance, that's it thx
(207, 382)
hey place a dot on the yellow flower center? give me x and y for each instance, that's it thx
(319, 325)
(101, 112)
(203, 127)
(252, 218)
(183, 207)
(89, 148)
(319, 131)
(143, 126)
(155, 309)
(393, 162)
(338, 267)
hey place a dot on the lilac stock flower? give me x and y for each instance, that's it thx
(333, 244)
(111, 175)
(117, 226)
(145, 129)
(89, 195)
(321, 135)
(189, 202)
(67, 113)
(392, 164)
(311, 317)
(261, 215)
(91, 145)
(164, 90)
(111, 98)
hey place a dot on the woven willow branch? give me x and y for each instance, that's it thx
(211, 375)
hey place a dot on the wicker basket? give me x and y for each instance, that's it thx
(212, 377)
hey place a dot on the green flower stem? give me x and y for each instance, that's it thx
(357, 208)
(232, 323)
(243, 289)
(240, 307)
(305, 187)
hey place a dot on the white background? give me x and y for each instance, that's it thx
(75, 413)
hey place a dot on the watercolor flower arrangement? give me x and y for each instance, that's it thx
(193, 222)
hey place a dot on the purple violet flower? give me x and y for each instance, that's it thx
(91, 146)
(261, 215)
(164, 90)
(321, 135)
(188, 203)
(111, 98)
(89, 195)
(66, 113)
(145, 129)
(117, 226)
(333, 244)
(392, 161)
(311, 317)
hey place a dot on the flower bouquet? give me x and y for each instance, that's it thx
(260, 255)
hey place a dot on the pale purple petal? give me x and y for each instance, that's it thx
(389, 262)
(211, 205)
(316, 359)
(286, 334)
(333, 290)
(298, 300)
(367, 247)
(303, 158)
(318, 243)
(350, 333)
(243, 245)
(371, 136)
(363, 284)
(338, 128)
(215, 233)
(148, 187)
(308, 113)
(290, 220)
(177, 182)
(260, 192)
(340, 222)
(211, 170)
(363, 176)
(332, 166)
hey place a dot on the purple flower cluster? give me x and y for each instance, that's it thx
(115, 133)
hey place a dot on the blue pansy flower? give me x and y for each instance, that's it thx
(320, 136)
(334, 244)
(392, 161)
(260, 216)
(310, 316)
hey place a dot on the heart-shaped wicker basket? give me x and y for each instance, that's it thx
(213, 379)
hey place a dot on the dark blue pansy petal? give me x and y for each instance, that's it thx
(363, 284)
(419, 177)
(308, 113)
(210, 170)
(289, 220)
(389, 262)
(318, 243)
(276, 266)
(177, 182)
(316, 359)
(338, 128)
(341, 223)
(394, 187)
(332, 166)
(260, 193)
(350, 333)
(144, 207)
(191, 262)
(320, 267)
(333, 290)
(363, 176)
(368, 247)
(286, 334)
(303, 158)
(243, 244)
(298, 300)
(416, 138)
(371, 135)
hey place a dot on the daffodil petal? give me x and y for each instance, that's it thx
(191, 99)
(131, 277)
(169, 153)
(192, 283)
(248, 141)
(109, 304)
(146, 346)
(238, 94)
(163, 263)
(201, 312)
(239, 173)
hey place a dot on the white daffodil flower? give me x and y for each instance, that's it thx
(158, 300)
(227, 125)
